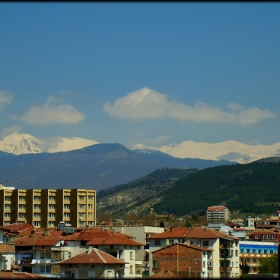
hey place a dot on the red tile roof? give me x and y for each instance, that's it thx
(163, 274)
(94, 257)
(201, 233)
(179, 232)
(216, 208)
(18, 275)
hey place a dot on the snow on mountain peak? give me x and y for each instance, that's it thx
(22, 143)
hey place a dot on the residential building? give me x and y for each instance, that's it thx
(48, 207)
(140, 234)
(185, 261)
(92, 263)
(223, 262)
(218, 214)
(7, 252)
(42, 251)
(251, 252)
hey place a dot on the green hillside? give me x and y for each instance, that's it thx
(250, 188)
(139, 195)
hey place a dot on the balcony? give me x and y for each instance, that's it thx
(228, 268)
(222, 256)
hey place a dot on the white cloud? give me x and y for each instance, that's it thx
(50, 113)
(150, 104)
(5, 98)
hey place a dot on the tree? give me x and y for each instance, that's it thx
(104, 217)
(269, 265)
(245, 268)
(161, 224)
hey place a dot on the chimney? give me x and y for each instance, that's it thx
(89, 250)
(47, 232)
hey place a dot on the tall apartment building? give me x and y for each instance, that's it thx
(46, 208)
(218, 214)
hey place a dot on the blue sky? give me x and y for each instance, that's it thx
(150, 73)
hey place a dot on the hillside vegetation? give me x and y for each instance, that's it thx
(249, 188)
(140, 195)
(246, 188)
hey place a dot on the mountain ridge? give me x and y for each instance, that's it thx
(230, 150)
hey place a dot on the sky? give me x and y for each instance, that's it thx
(141, 73)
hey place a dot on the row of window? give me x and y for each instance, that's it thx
(265, 236)
(51, 198)
(256, 251)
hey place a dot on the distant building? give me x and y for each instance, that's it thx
(218, 214)
(251, 252)
(47, 207)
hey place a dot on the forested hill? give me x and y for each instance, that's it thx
(251, 188)
(139, 195)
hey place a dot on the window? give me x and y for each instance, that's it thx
(205, 243)
(265, 251)
(52, 206)
(90, 197)
(37, 198)
(22, 198)
(37, 215)
(90, 215)
(81, 197)
(257, 236)
(37, 206)
(89, 206)
(81, 224)
(271, 251)
(157, 242)
(21, 215)
(55, 269)
(22, 206)
(52, 198)
(131, 269)
(7, 215)
(259, 251)
(82, 206)
(56, 256)
(66, 206)
(248, 250)
(67, 197)
(90, 224)
(236, 253)
(272, 236)
(37, 224)
(66, 215)
(242, 250)
(51, 215)
(155, 264)
(7, 206)
(51, 224)
(131, 255)
(8, 198)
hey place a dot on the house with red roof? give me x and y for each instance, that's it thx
(223, 261)
(42, 251)
(184, 261)
(92, 263)
(7, 251)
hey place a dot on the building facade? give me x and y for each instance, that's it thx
(251, 253)
(48, 207)
(218, 214)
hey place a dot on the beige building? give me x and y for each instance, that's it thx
(46, 208)
(218, 214)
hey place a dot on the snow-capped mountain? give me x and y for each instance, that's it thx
(227, 150)
(22, 143)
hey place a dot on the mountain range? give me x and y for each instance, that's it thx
(22, 143)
